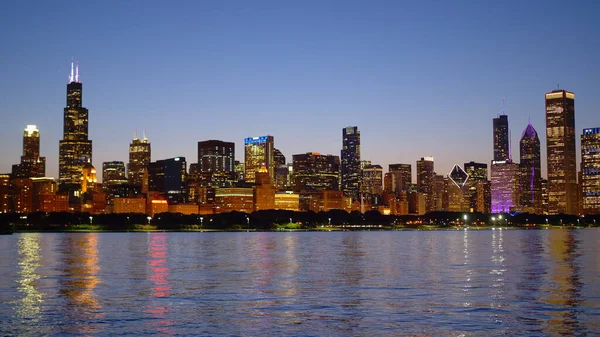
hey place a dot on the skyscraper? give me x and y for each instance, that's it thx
(113, 173)
(504, 186)
(425, 181)
(401, 177)
(478, 175)
(372, 179)
(216, 163)
(75, 149)
(259, 152)
(278, 157)
(530, 175)
(351, 174)
(168, 177)
(590, 170)
(501, 138)
(313, 171)
(139, 158)
(561, 157)
(32, 165)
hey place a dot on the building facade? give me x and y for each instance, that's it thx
(216, 163)
(531, 174)
(259, 152)
(168, 177)
(401, 177)
(113, 173)
(425, 181)
(140, 156)
(504, 186)
(560, 151)
(32, 165)
(313, 171)
(590, 171)
(350, 165)
(372, 179)
(501, 138)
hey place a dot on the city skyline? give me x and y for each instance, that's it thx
(214, 103)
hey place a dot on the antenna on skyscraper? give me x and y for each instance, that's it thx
(134, 134)
(71, 78)
(509, 146)
(77, 72)
(503, 105)
(144, 133)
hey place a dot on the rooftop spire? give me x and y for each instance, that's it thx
(71, 78)
(503, 105)
(77, 72)
(145, 133)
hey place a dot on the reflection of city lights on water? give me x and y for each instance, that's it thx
(29, 261)
(160, 278)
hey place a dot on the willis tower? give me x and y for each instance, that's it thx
(75, 148)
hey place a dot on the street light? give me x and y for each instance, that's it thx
(201, 220)
(149, 218)
(248, 223)
(465, 218)
(329, 222)
(91, 219)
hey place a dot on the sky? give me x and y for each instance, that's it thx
(419, 78)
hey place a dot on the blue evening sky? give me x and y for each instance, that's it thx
(419, 78)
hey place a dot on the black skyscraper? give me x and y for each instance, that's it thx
(75, 150)
(351, 161)
(501, 138)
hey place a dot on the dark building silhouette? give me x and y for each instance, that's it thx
(560, 151)
(530, 175)
(168, 177)
(501, 138)
(32, 165)
(351, 173)
(139, 157)
(279, 158)
(75, 149)
(216, 164)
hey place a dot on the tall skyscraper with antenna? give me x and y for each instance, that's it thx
(75, 149)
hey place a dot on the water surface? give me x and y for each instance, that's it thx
(426, 283)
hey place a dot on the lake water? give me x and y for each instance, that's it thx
(425, 283)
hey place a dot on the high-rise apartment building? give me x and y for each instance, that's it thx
(351, 161)
(216, 163)
(501, 138)
(401, 176)
(425, 181)
(259, 152)
(560, 151)
(530, 175)
(75, 149)
(139, 157)
(372, 179)
(32, 165)
(313, 171)
(590, 170)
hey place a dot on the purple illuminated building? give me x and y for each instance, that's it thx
(530, 172)
(504, 186)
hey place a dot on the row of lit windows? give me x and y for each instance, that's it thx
(592, 194)
(592, 170)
